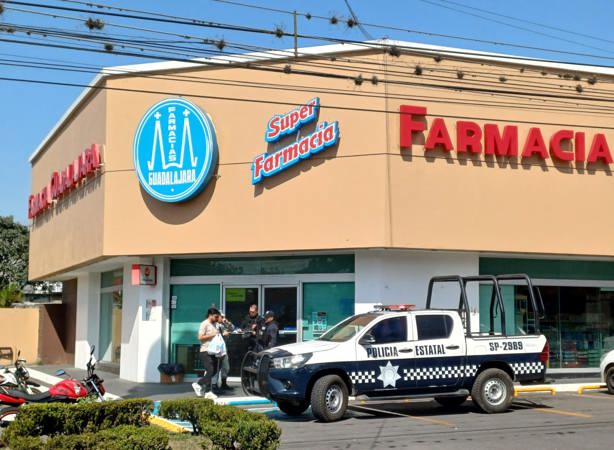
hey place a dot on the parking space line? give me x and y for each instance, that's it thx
(600, 397)
(561, 412)
(393, 413)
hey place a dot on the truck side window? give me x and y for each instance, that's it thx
(390, 330)
(436, 326)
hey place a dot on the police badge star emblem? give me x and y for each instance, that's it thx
(175, 150)
(389, 375)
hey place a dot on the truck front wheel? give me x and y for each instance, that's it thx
(329, 398)
(292, 409)
(493, 391)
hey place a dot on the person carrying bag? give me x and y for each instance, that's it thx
(207, 333)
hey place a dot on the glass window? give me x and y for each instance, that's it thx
(435, 326)
(188, 308)
(324, 305)
(114, 278)
(348, 328)
(390, 330)
(578, 322)
(263, 266)
(238, 301)
(110, 337)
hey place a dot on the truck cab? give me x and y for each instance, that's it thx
(398, 351)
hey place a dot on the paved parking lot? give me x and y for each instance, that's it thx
(563, 421)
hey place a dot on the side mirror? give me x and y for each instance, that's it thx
(367, 339)
(59, 373)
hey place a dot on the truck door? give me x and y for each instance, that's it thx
(439, 351)
(383, 352)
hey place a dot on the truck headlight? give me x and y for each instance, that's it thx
(291, 362)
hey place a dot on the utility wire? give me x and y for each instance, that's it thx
(188, 37)
(57, 66)
(283, 103)
(517, 19)
(517, 27)
(165, 18)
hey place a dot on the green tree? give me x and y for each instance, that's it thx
(13, 253)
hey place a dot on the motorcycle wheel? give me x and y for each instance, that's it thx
(7, 415)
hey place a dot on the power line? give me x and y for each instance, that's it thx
(501, 92)
(517, 27)
(165, 18)
(282, 103)
(296, 88)
(187, 37)
(268, 68)
(562, 30)
(125, 44)
(391, 28)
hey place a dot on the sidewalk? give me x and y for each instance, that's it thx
(158, 391)
(128, 389)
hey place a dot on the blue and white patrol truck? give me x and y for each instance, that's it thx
(398, 351)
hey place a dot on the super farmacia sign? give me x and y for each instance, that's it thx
(324, 136)
(469, 137)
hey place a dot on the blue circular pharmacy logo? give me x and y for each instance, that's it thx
(175, 150)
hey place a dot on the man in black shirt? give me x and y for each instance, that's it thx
(270, 331)
(251, 325)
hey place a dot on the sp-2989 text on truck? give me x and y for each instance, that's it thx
(398, 351)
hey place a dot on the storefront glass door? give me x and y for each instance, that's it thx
(110, 326)
(111, 304)
(283, 301)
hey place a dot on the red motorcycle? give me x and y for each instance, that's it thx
(65, 391)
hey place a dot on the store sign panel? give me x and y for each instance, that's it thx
(65, 180)
(493, 139)
(175, 150)
(325, 135)
(144, 275)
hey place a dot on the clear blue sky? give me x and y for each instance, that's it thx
(29, 111)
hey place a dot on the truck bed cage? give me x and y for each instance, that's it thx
(496, 299)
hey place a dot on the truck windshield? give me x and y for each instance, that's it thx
(348, 328)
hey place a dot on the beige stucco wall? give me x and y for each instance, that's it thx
(445, 201)
(330, 203)
(365, 193)
(19, 330)
(70, 233)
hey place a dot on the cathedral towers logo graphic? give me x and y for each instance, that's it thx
(175, 150)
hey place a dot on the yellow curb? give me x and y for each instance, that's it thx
(591, 387)
(520, 390)
(167, 425)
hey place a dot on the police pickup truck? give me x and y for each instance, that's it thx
(402, 352)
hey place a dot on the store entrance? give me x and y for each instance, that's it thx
(282, 300)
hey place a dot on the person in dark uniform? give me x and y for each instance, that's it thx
(251, 325)
(270, 331)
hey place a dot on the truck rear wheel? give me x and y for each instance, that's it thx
(609, 379)
(493, 391)
(329, 398)
(451, 402)
(292, 409)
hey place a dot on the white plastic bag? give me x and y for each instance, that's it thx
(217, 346)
